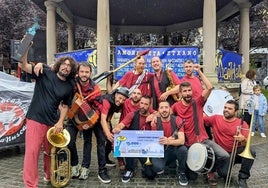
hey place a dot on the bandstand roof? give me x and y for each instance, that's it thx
(145, 16)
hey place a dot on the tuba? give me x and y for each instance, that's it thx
(60, 168)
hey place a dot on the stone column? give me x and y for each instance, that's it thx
(51, 31)
(244, 36)
(70, 28)
(209, 39)
(103, 37)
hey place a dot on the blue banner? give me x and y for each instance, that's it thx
(86, 55)
(229, 66)
(173, 57)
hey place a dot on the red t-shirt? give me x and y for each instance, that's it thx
(186, 113)
(129, 79)
(105, 106)
(142, 124)
(224, 131)
(156, 81)
(167, 127)
(127, 108)
(197, 87)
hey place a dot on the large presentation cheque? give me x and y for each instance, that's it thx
(132, 143)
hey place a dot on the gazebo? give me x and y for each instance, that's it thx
(146, 16)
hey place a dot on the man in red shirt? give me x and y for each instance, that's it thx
(131, 104)
(161, 80)
(189, 68)
(137, 78)
(173, 141)
(227, 129)
(136, 121)
(185, 110)
(111, 103)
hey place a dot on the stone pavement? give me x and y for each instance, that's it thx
(11, 163)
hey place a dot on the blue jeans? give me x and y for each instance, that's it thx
(257, 118)
(87, 136)
(171, 154)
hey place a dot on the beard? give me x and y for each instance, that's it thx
(227, 115)
(187, 99)
(139, 70)
(83, 80)
(165, 114)
(63, 74)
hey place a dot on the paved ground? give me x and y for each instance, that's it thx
(11, 163)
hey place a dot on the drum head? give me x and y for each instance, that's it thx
(216, 101)
(197, 157)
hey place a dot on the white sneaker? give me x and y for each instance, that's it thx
(84, 173)
(46, 181)
(263, 135)
(75, 171)
(252, 134)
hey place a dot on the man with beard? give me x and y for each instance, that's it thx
(194, 120)
(52, 88)
(136, 121)
(111, 103)
(227, 129)
(92, 93)
(189, 68)
(131, 104)
(161, 80)
(137, 78)
(173, 141)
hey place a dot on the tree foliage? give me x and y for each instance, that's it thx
(17, 16)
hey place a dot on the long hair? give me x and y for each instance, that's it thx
(72, 64)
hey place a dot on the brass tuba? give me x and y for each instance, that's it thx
(60, 170)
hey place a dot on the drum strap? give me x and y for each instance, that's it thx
(195, 119)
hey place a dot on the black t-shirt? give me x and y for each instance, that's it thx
(49, 92)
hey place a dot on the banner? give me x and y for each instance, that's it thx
(15, 98)
(132, 143)
(172, 57)
(86, 55)
(229, 66)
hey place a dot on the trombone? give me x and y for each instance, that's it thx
(245, 154)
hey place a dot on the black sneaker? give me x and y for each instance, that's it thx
(183, 181)
(127, 176)
(242, 183)
(110, 163)
(103, 176)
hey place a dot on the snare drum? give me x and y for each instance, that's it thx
(216, 101)
(201, 158)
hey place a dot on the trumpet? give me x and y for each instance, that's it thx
(60, 169)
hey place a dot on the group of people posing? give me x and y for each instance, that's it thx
(147, 101)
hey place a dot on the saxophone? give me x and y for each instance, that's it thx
(171, 85)
(60, 169)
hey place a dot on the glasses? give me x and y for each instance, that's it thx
(66, 64)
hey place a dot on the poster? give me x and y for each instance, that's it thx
(172, 57)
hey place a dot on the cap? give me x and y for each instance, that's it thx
(123, 91)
